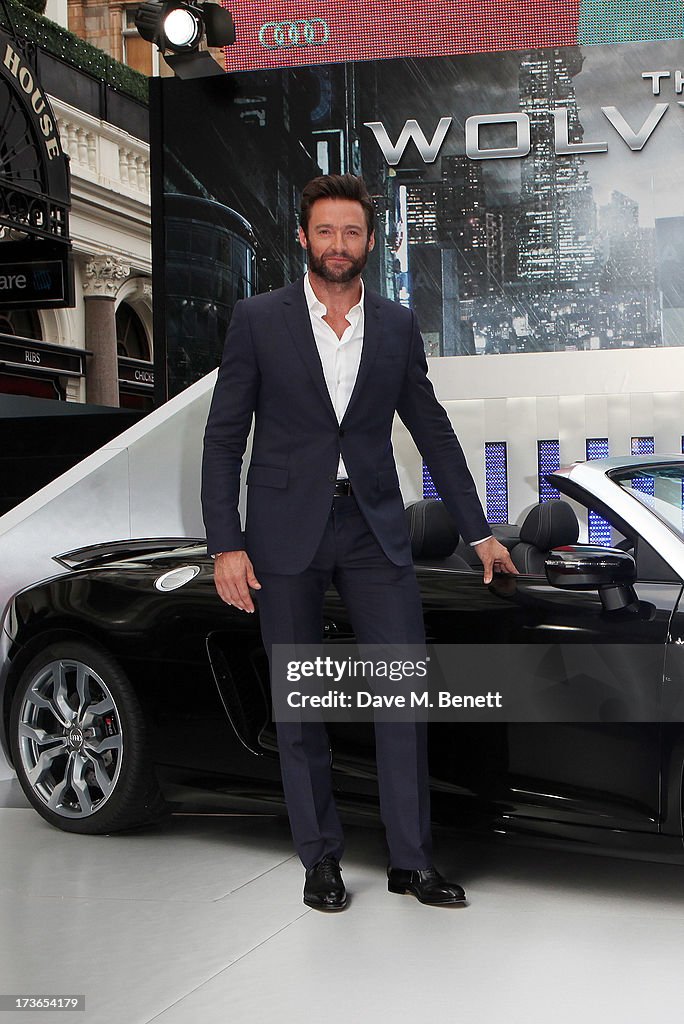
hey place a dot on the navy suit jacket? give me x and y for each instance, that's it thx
(271, 369)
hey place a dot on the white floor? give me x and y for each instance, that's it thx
(201, 920)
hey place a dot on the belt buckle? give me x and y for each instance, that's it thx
(342, 489)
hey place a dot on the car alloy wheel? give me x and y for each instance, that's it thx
(79, 743)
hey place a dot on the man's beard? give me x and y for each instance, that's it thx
(336, 274)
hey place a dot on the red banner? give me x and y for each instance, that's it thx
(287, 33)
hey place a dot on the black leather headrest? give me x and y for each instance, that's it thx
(550, 525)
(431, 529)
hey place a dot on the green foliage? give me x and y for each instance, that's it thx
(72, 50)
(38, 6)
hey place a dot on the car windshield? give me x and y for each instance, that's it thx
(660, 488)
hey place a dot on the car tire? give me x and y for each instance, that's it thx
(79, 742)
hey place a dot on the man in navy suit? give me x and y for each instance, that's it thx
(323, 366)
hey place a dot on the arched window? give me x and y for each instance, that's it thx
(131, 339)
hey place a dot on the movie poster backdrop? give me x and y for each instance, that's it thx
(527, 201)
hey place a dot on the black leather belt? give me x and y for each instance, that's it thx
(342, 487)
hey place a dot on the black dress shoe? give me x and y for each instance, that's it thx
(427, 885)
(324, 888)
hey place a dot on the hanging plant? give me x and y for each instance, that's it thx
(70, 48)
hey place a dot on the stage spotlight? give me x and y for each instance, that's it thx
(182, 28)
(179, 27)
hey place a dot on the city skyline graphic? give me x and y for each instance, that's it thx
(522, 257)
(574, 243)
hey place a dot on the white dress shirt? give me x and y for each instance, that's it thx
(340, 357)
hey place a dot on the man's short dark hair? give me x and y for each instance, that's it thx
(337, 186)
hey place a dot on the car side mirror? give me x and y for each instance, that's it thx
(590, 567)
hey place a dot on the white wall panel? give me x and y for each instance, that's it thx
(572, 428)
(619, 424)
(547, 418)
(641, 417)
(468, 420)
(596, 415)
(668, 421)
(496, 419)
(165, 471)
(522, 456)
(622, 371)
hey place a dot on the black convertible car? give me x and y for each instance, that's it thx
(127, 687)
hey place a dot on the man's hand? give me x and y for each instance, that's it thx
(495, 558)
(233, 575)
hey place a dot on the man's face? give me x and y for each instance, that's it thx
(336, 239)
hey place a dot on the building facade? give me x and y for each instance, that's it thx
(111, 27)
(97, 347)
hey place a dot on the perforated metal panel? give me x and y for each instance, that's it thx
(429, 489)
(599, 529)
(548, 461)
(496, 481)
(643, 445)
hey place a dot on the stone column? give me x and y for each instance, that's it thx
(103, 278)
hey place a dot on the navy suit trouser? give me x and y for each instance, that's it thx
(384, 606)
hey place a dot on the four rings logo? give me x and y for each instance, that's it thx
(276, 35)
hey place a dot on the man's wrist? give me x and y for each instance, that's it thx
(474, 543)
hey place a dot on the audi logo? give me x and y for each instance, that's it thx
(274, 35)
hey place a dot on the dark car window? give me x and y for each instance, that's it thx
(651, 567)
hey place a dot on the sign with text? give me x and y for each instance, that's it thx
(31, 284)
(36, 355)
(472, 683)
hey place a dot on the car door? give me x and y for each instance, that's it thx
(572, 773)
(581, 773)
